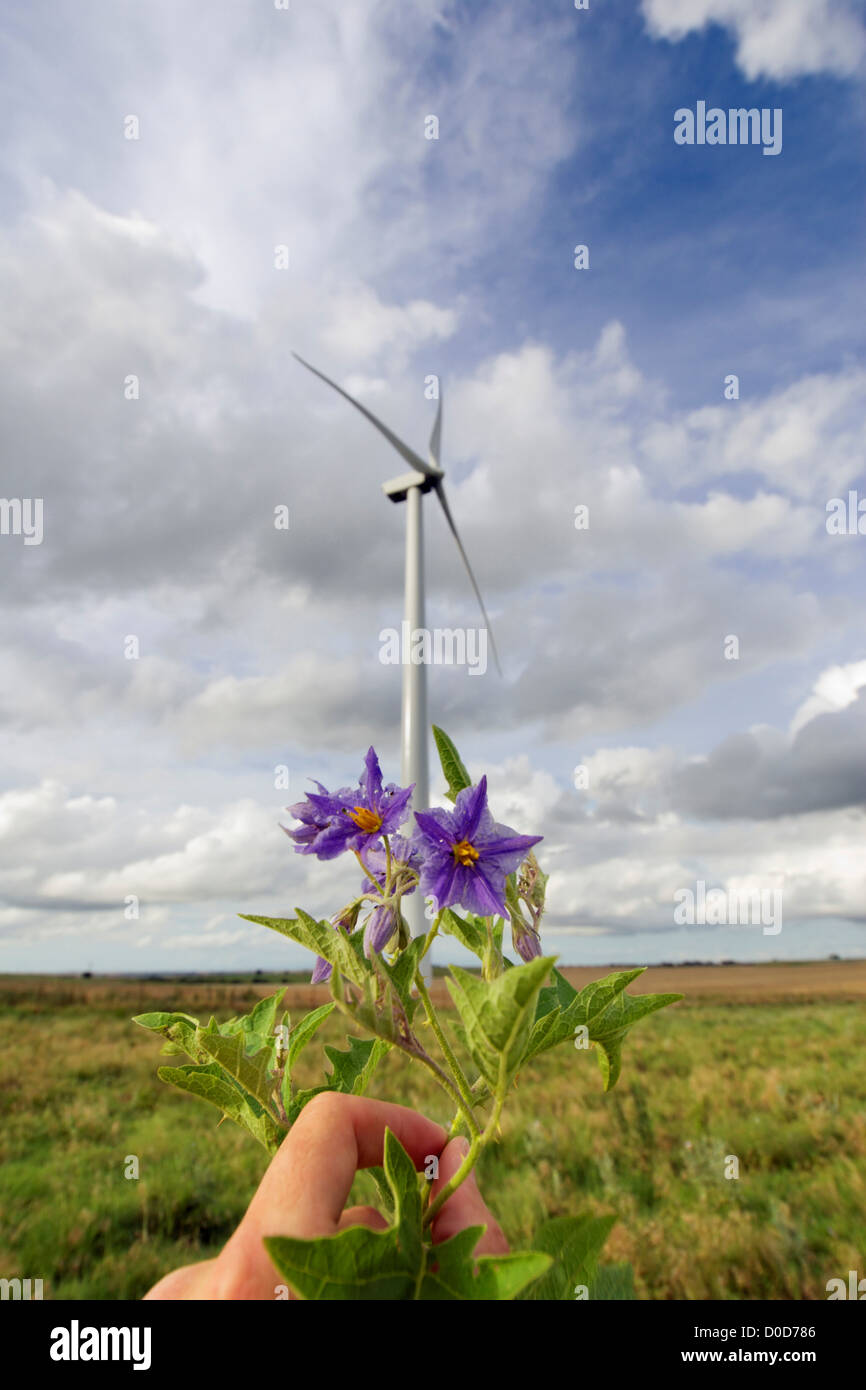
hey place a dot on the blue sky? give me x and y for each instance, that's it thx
(683, 238)
(154, 777)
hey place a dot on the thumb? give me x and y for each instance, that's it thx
(465, 1207)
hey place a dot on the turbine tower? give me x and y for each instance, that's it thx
(426, 476)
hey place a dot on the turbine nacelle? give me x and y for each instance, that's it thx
(397, 488)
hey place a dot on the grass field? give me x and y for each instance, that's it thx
(761, 1062)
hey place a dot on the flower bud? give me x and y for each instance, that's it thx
(378, 930)
(526, 942)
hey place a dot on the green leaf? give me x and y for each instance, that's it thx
(180, 1030)
(497, 928)
(213, 1085)
(497, 1015)
(353, 1070)
(466, 930)
(305, 1031)
(455, 773)
(574, 1243)
(343, 952)
(351, 1074)
(401, 973)
(160, 1021)
(359, 1264)
(453, 1274)
(259, 1027)
(612, 1282)
(295, 1103)
(383, 1193)
(559, 994)
(401, 1176)
(252, 1072)
(355, 1265)
(603, 1008)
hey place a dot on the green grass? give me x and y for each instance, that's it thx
(778, 1086)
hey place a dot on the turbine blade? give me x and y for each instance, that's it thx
(436, 436)
(440, 493)
(408, 454)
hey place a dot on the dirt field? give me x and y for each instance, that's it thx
(747, 984)
(794, 982)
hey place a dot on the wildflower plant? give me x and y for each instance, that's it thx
(481, 877)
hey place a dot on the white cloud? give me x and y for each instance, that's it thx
(816, 860)
(232, 852)
(835, 689)
(197, 941)
(806, 439)
(358, 325)
(779, 39)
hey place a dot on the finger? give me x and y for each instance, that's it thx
(362, 1216)
(309, 1179)
(188, 1282)
(466, 1206)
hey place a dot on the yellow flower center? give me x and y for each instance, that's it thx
(465, 853)
(364, 819)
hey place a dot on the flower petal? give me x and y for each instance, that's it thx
(371, 778)
(431, 828)
(469, 807)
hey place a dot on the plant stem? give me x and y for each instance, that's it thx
(443, 1078)
(454, 1065)
(388, 866)
(431, 936)
(455, 1125)
(357, 855)
(475, 1147)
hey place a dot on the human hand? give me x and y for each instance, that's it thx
(304, 1191)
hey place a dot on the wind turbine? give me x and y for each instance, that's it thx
(426, 476)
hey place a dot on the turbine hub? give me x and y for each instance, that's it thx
(398, 487)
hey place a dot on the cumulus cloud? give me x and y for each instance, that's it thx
(762, 773)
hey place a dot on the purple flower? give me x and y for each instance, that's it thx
(374, 810)
(352, 818)
(467, 856)
(316, 814)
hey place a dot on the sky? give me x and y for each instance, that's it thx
(188, 194)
